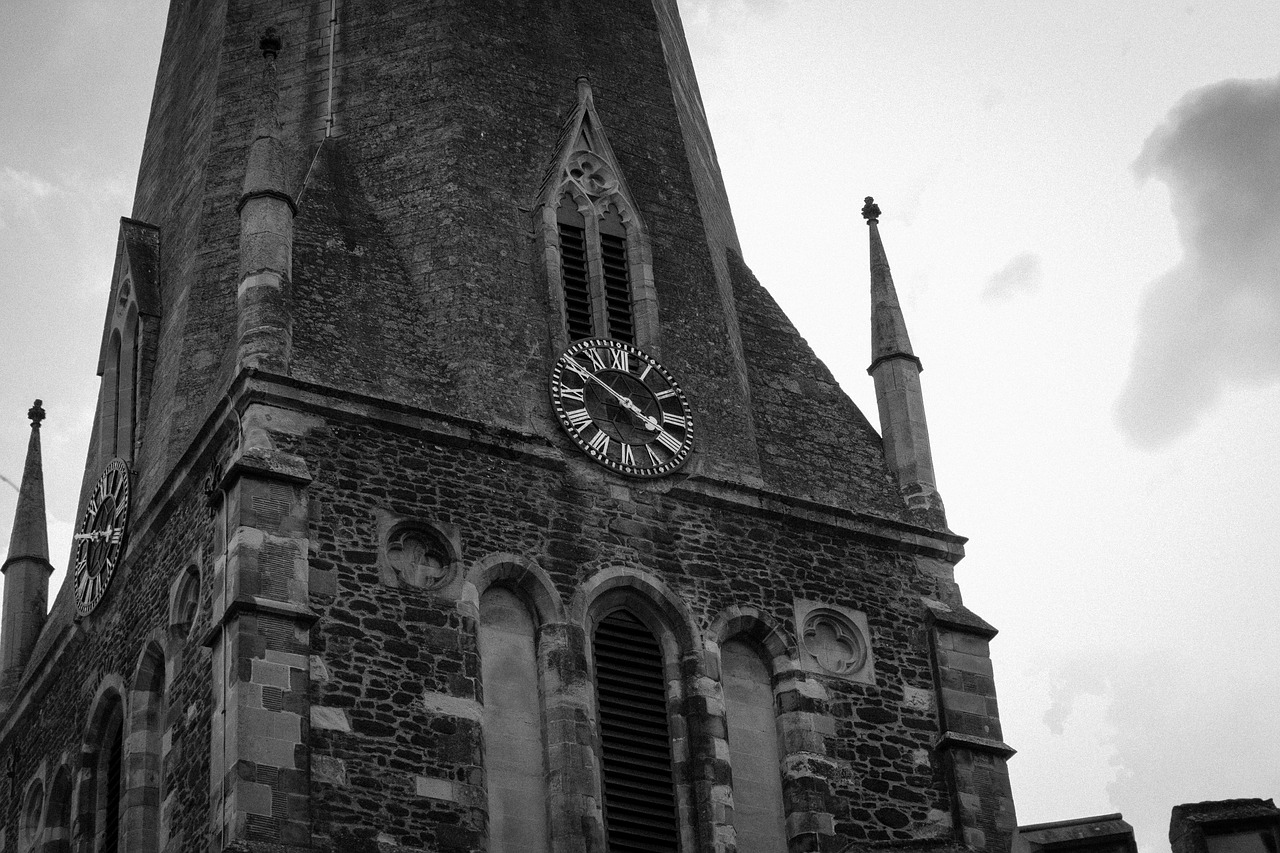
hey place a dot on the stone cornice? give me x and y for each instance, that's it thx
(955, 740)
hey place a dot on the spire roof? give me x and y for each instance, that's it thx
(889, 337)
(30, 537)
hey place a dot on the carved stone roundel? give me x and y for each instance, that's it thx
(834, 642)
(418, 558)
(592, 174)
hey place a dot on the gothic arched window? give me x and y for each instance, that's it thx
(128, 341)
(57, 836)
(144, 773)
(640, 807)
(595, 272)
(598, 257)
(513, 754)
(29, 828)
(754, 758)
(107, 784)
(99, 817)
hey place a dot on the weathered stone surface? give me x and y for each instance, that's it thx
(329, 701)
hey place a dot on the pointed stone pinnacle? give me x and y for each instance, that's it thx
(889, 338)
(30, 536)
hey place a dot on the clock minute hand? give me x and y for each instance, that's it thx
(651, 423)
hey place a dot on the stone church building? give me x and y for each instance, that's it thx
(456, 487)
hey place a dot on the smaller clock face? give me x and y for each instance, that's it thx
(101, 541)
(622, 408)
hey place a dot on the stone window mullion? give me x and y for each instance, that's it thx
(595, 273)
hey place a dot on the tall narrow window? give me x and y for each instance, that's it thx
(598, 256)
(595, 273)
(29, 829)
(111, 764)
(639, 792)
(575, 277)
(127, 385)
(109, 419)
(58, 822)
(144, 774)
(617, 281)
(753, 750)
(513, 754)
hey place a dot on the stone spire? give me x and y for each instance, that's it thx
(266, 234)
(26, 569)
(896, 372)
(889, 337)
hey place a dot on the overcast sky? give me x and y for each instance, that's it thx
(1082, 211)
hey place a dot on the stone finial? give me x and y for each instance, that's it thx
(36, 414)
(871, 210)
(584, 89)
(270, 43)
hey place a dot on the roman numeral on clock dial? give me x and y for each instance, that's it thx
(673, 420)
(600, 442)
(669, 441)
(597, 360)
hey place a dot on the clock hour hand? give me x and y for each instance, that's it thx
(109, 533)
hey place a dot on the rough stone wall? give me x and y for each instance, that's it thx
(801, 415)
(447, 118)
(396, 694)
(450, 117)
(171, 194)
(49, 729)
(421, 285)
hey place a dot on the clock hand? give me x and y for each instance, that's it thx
(649, 422)
(108, 533)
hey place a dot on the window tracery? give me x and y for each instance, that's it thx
(598, 258)
(128, 341)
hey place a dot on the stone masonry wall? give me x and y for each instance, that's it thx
(104, 652)
(396, 699)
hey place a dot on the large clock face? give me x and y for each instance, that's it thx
(622, 408)
(101, 541)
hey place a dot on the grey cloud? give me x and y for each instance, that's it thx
(1184, 727)
(1213, 320)
(1075, 678)
(1179, 719)
(727, 10)
(1021, 275)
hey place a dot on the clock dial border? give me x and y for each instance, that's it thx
(662, 407)
(96, 561)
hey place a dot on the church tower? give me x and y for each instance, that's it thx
(456, 487)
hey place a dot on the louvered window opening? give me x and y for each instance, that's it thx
(111, 823)
(639, 792)
(577, 286)
(617, 287)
